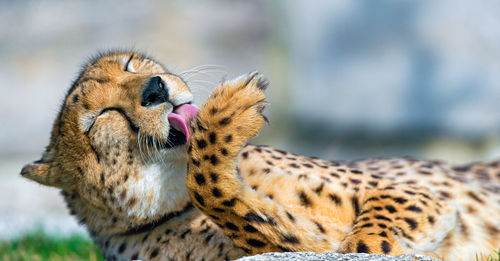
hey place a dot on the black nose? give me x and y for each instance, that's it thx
(155, 92)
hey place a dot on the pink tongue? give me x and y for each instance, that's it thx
(181, 117)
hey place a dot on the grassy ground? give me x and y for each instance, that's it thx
(38, 245)
(493, 257)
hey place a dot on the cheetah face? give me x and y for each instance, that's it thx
(118, 144)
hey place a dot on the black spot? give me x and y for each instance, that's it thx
(223, 151)
(229, 203)
(216, 192)
(414, 209)
(248, 251)
(135, 256)
(386, 247)
(220, 210)
(431, 219)
(207, 238)
(475, 197)
(380, 217)
(293, 165)
(382, 234)
(335, 198)
(196, 162)
(213, 110)
(75, 98)
(201, 143)
(232, 226)
(245, 154)
(357, 172)
(307, 165)
(214, 160)
(334, 175)
(250, 228)
(319, 188)
(199, 199)
(212, 137)
(304, 199)
(378, 208)
(200, 179)
(424, 195)
(381, 225)
(320, 227)
(371, 199)
(102, 177)
(373, 183)
(411, 222)
(154, 253)
(228, 138)
(391, 209)
(183, 235)
(290, 239)
(362, 247)
(225, 121)
(367, 225)
(252, 217)
(200, 127)
(122, 248)
(410, 192)
(355, 181)
(213, 177)
(256, 243)
(400, 200)
(355, 205)
(284, 249)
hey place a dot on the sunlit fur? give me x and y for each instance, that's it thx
(109, 154)
(111, 158)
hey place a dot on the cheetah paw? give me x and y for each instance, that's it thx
(234, 110)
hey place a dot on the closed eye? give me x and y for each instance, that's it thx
(128, 65)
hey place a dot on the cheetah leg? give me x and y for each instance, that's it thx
(224, 123)
(400, 219)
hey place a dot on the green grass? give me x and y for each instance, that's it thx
(38, 245)
(493, 257)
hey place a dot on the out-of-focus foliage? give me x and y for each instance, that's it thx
(37, 245)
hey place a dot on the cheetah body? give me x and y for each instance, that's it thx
(128, 178)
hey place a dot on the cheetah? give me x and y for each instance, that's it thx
(154, 178)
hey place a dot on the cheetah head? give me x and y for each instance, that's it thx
(117, 147)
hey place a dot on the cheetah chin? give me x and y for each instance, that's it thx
(154, 178)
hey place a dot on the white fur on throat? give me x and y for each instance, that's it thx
(161, 187)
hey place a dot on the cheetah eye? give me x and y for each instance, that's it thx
(129, 66)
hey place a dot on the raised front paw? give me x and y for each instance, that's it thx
(233, 113)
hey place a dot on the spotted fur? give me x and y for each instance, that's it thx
(142, 196)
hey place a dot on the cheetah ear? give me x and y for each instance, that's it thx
(38, 171)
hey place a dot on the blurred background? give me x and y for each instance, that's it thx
(349, 79)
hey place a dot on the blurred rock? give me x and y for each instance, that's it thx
(309, 256)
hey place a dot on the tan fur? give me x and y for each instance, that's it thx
(249, 199)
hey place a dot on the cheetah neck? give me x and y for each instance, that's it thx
(187, 235)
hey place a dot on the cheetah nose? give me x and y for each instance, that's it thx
(155, 92)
